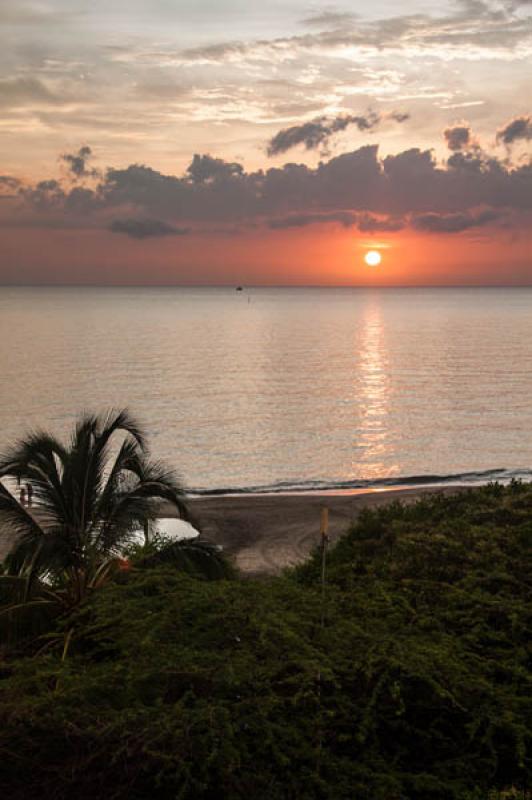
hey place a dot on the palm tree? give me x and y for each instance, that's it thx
(89, 499)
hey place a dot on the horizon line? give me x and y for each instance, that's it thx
(264, 286)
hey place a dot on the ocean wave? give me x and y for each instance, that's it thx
(294, 487)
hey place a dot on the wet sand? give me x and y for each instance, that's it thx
(266, 533)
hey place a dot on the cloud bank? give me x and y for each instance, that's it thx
(471, 189)
(145, 228)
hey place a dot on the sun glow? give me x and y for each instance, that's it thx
(373, 258)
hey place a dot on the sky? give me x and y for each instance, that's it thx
(235, 141)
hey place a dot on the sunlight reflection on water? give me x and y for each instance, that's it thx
(268, 385)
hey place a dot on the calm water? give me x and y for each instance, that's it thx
(274, 387)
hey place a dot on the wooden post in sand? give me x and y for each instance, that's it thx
(324, 533)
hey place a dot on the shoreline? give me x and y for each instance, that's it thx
(334, 491)
(266, 533)
(471, 479)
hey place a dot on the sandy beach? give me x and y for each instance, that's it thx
(266, 533)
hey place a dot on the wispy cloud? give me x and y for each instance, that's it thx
(473, 24)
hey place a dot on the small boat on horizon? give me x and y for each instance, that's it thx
(239, 288)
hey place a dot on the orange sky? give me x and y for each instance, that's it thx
(328, 256)
(228, 142)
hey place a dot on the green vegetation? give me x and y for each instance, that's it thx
(89, 499)
(417, 686)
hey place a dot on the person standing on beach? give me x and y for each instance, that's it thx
(22, 496)
(29, 491)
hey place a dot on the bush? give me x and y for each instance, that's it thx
(417, 685)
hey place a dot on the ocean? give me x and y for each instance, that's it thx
(283, 389)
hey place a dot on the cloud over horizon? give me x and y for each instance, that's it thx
(145, 228)
(453, 223)
(359, 189)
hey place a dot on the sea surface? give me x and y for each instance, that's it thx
(283, 389)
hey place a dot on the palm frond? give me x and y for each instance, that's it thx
(157, 481)
(108, 424)
(16, 518)
(129, 513)
(116, 479)
(38, 450)
(88, 458)
(39, 460)
(36, 563)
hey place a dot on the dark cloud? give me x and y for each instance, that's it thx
(45, 196)
(471, 161)
(343, 218)
(458, 137)
(518, 128)
(80, 200)
(367, 223)
(354, 188)
(145, 228)
(453, 223)
(206, 168)
(317, 133)
(77, 162)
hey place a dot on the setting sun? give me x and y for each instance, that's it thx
(372, 258)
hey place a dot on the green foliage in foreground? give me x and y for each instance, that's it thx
(418, 686)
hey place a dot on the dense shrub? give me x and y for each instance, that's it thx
(417, 685)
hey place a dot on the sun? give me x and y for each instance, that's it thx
(373, 258)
